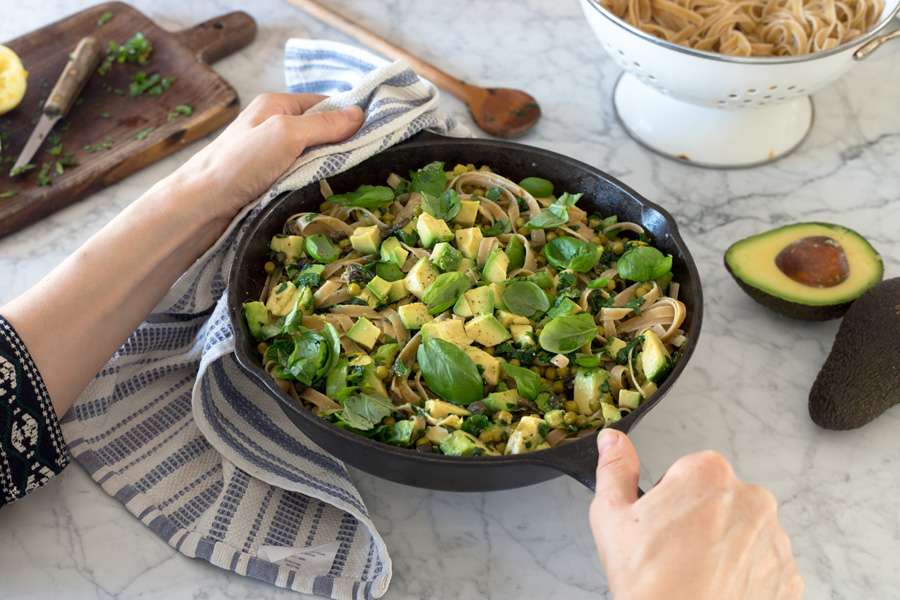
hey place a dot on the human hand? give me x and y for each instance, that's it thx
(256, 148)
(699, 534)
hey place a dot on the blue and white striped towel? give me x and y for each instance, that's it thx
(174, 430)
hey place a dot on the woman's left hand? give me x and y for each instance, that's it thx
(257, 147)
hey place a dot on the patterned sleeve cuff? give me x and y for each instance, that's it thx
(32, 449)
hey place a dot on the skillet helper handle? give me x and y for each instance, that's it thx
(440, 78)
(874, 44)
(82, 63)
(579, 463)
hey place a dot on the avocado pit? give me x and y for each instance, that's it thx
(816, 261)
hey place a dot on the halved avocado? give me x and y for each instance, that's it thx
(810, 271)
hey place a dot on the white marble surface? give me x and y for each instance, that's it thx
(743, 394)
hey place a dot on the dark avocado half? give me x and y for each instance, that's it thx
(810, 271)
(861, 376)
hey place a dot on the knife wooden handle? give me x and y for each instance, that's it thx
(82, 63)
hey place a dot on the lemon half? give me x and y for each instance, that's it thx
(13, 80)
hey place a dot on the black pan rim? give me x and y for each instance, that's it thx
(542, 457)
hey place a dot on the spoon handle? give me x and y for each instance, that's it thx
(444, 80)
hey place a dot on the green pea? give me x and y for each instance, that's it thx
(537, 186)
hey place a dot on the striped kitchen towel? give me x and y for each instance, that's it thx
(173, 429)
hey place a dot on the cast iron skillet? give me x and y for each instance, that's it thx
(602, 192)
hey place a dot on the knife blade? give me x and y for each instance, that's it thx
(82, 63)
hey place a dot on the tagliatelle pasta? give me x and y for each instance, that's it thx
(751, 27)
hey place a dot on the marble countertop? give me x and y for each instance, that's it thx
(744, 394)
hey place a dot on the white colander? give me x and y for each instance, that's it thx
(717, 110)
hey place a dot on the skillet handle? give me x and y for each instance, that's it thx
(578, 461)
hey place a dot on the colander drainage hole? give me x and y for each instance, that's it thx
(732, 95)
(751, 91)
(651, 77)
(791, 87)
(767, 96)
(773, 87)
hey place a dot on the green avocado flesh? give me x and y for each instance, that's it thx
(810, 271)
(861, 376)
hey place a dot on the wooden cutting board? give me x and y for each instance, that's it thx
(125, 133)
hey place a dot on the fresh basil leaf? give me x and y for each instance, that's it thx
(515, 251)
(365, 196)
(336, 381)
(528, 383)
(552, 216)
(566, 252)
(445, 291)
(498, 227)
(430, 179)
(443, 206)
(537, 186)
(320, 247)
(525, 298)
(643, 263)
(389, 271)
(365, 411)
(310, 276)
(449, 372)
(588, 361)
(567, 333)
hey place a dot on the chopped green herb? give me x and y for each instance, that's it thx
(104, 115)
(22, 169)
(136, 50)
(143, 133)
(43, 176)
(56, 150)
(8, 194)
(152, 84)
(104, 145)
(182, 110)
(104, 19)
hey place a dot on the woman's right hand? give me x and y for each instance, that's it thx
(699, 534)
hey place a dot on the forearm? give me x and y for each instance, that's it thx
(76, 317)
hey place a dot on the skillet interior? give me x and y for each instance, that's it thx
(601, 192)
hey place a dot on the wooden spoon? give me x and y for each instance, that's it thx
(503, 112)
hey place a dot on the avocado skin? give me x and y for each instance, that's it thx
(790, 309)
(861, 376)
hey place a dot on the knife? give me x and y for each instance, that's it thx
(82, 63)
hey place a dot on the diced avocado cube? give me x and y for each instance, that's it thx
(509, 319)
(587, 388)
(465, 264)
(481, 300)
(404, 433)
(289, 246)
(460, 443)
(370, 383)
(282, 298)
(379, 288)
(432, 231)
(522, 335)
(654, 357)
(495, 266)
(398, 291)
(361, 360)
(498, 288)
(490, 365)
(445, 257)
(486, 330)
(451, 422)
(554, 418)
(366, 240)
(542, 279)
(526, 437)
(420, 277)
(386, 353)
(462, 308)
(414, 315)
(449, 330)
(364, 333)
(505, 400)
(611, 414)
(440, 409)
(629, 399)
(468, 212)
(392, 251)
(369, 298)
(613, 346)
(468, 240)
(260, 322)
(515, 250)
